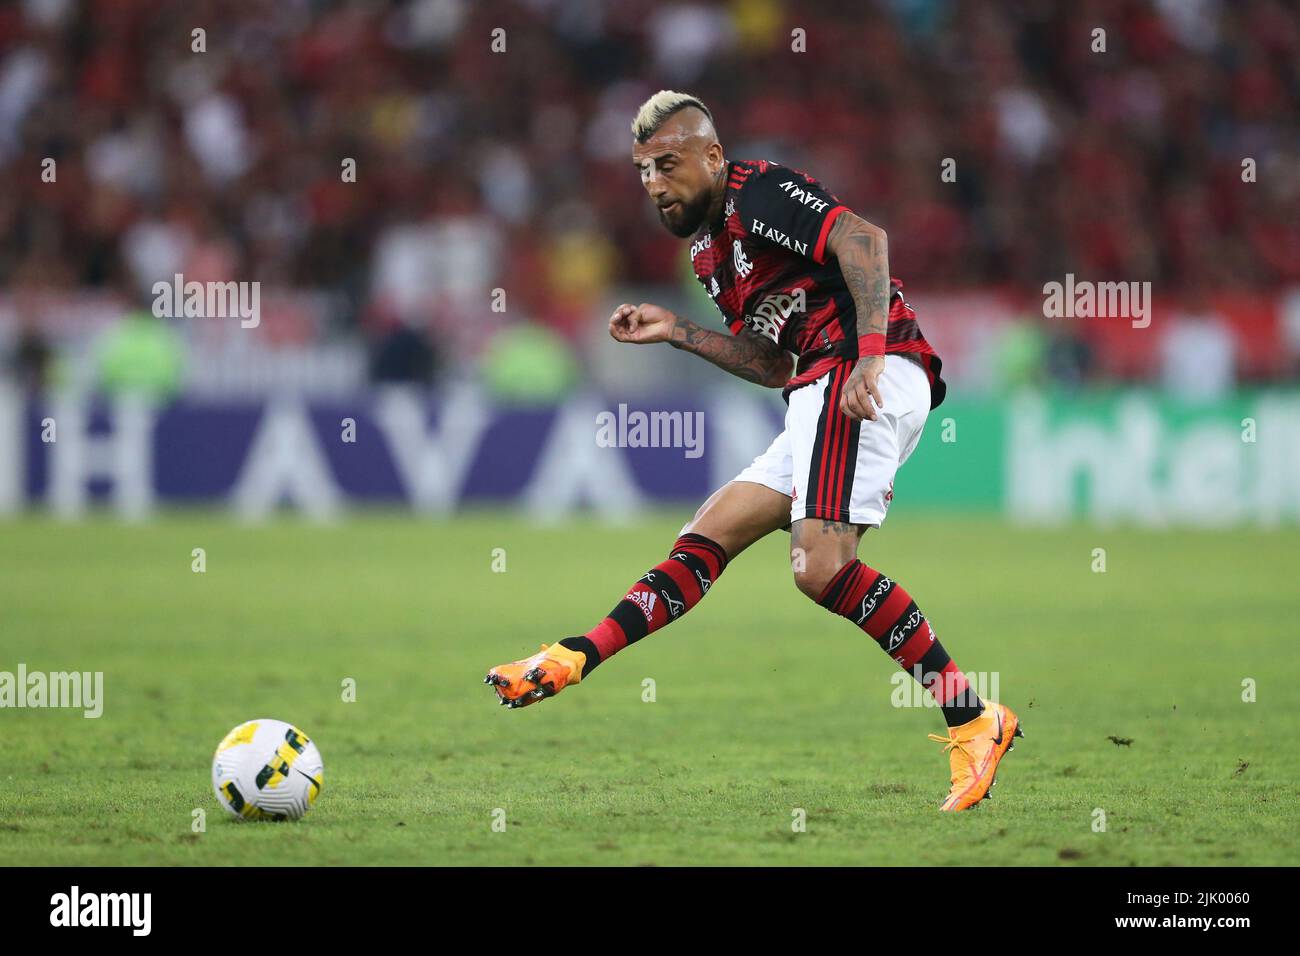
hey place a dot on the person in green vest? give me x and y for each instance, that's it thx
(141, 355)
(527, 363)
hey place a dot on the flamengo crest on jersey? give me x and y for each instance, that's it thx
(743, 266)
(767, 269)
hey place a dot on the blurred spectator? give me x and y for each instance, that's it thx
(140, 355)
(1198, 356)
(528, 363)
(1020, 355)
(31, 361)
(1070, 360)
(383, 154)
(403, 355)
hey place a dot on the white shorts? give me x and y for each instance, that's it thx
(810, 460)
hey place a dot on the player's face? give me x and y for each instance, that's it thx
(678, 173)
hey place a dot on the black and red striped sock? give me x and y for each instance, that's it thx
(884, 610)
(659, 597)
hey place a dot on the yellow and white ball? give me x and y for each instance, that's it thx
(267, 770)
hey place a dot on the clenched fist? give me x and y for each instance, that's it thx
(642, 324)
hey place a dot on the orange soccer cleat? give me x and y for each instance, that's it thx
(974, 751)
(545, 674)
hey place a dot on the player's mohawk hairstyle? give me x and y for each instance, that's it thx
(658, 108)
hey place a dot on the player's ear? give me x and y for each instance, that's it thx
(713, 157)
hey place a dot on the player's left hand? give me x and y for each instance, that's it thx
(863, 389)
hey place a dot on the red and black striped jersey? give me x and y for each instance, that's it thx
(766, 268)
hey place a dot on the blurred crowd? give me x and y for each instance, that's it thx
(491, 145)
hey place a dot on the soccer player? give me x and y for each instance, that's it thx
(792, 270)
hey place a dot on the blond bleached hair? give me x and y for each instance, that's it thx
(659, 107)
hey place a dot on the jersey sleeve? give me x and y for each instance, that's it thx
(784, 207)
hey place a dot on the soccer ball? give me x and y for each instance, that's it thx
(267, 770)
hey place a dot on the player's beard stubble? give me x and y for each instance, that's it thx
(688, 216)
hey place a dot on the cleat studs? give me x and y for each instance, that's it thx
(534, 675)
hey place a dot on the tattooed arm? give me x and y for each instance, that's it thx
(749, 355)
(753, 357)
(863, 254)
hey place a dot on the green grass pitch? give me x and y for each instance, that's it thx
(764, 703)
